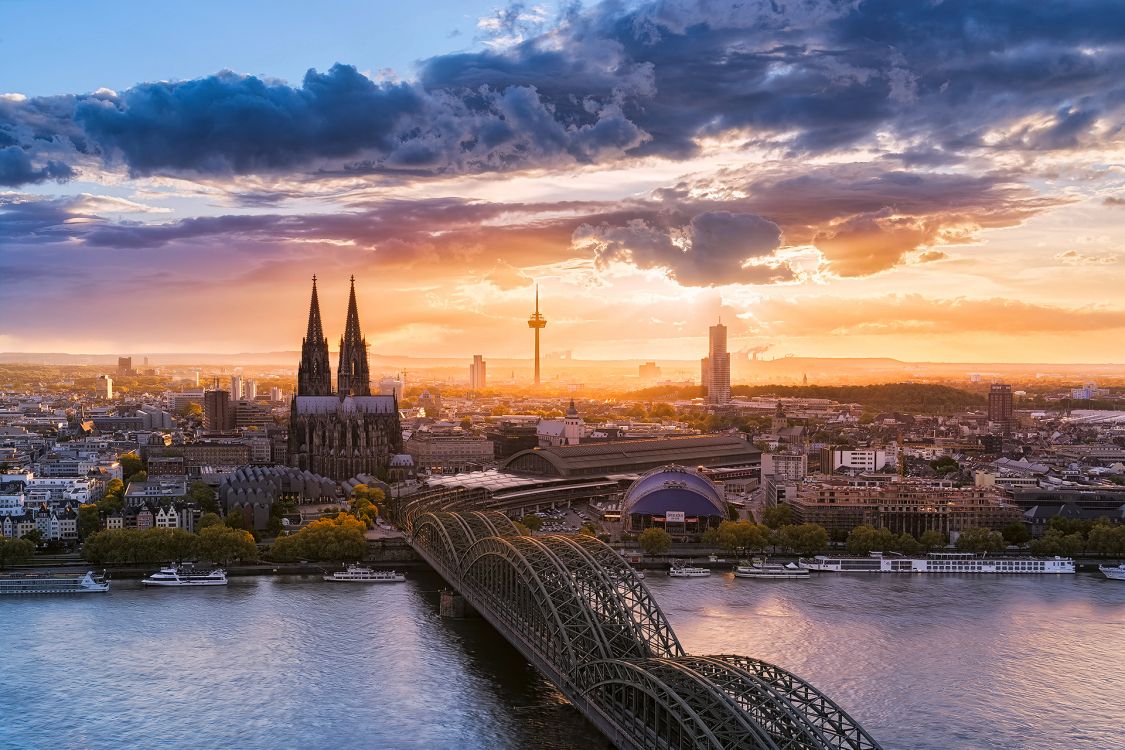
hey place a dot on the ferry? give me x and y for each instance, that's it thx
(359, 574)
(180, 575)
(763, 569)
(52, 583)
(681, 570)
(938, 562)
(1115, 573)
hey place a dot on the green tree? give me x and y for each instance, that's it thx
(1107, 540)
(202, 494)
(945, 465)
(140, 476)
(865, 539)
(89, 520)
(15, 551)
(532, 522)
(1073, 544)
(1049, 544)
(980, 541)
(777, 516)
(208, 519)
(907, 544)
(224, 545)
(35, 536)
(365, 503)
(339, 538)
(1016, 533)
(655, 541)
(806, 539)
(130, 464)
(932, 539)
(588, 529)
(235, 520)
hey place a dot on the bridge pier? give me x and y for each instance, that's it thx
(453, 605)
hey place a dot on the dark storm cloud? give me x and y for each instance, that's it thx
(16, 168)
(713, 248)
(616, 81)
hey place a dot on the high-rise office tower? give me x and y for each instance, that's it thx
(218, 414)
(1000, 405)
(249, 390)
(536, 322)
(715, 367)
(477, 377)
(235, 387)
(275, 394)
(124, 365)
(105, 387)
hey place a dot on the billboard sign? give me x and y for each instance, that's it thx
(675, 516)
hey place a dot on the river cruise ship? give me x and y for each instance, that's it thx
(762, 569)
(52, 583)
(180, 575)
(359, 574)
(938, 562)
(683, 570)
(1116, 573)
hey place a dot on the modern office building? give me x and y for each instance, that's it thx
(477, 375)
(218, 415)
(1000, 406)
(235, 387)
(715, 367)
(249, 389)
(124, 365)
(105, 387)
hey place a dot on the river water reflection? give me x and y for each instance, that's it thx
(923, 662)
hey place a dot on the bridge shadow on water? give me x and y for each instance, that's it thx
(539, 716)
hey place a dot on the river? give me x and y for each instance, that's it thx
(923, 662)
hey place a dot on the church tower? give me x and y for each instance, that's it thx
(352, 378)
(314, 378)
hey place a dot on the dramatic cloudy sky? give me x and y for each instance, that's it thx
(931, 180)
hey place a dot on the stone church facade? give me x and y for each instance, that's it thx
(341, 433)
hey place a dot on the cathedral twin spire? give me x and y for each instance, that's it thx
(314, 376)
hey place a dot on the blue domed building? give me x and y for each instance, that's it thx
(677, 499)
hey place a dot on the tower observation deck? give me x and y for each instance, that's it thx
(536, 322)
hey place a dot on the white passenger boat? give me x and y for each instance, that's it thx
(938, 562)
(359, 574)
(182, 575)
(1117, 573)
(682, 570)
(763, 569)
(52, 583)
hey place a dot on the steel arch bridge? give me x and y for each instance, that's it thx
(579, 613)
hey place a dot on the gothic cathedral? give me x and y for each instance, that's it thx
(350, 432)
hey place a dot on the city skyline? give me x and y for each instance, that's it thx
(832, 180)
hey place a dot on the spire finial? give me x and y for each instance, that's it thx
(314, 279)
(353, 279)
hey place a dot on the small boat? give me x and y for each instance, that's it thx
(763, 569)
(52, 583)
(185, 575)
(1116, 573)
(359, 574)
(682, 570)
